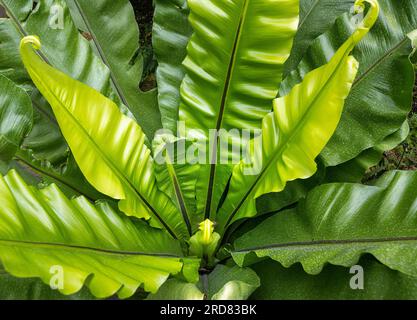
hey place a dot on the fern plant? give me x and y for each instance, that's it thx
(244, 161)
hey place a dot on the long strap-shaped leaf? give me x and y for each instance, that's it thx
(67, 49)
(338, 223)
(42, 231)
(232, 75)
(170, 34)
(223, 283)
(379, 283)
(13, 288)
(299, 127)
(108, 146)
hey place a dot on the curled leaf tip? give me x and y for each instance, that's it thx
(33, 40)
(207, 227)
(372, 14)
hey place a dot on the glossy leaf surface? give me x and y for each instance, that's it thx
(223, 283)
(230, 283)
(12, 288)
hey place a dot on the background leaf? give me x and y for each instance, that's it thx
(354, 170)
(10, 64)
(174, 289)
(229, 283)
(114, 35)
(316, 17)
(223, 283)
(380, 283)
(111, 152)
(382, 92)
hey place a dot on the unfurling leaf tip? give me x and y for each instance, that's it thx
(33, 40)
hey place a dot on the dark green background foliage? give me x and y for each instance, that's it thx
(333, 282)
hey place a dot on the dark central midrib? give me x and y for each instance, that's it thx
(44, 113)
(213, 157)
(325, 242)
(85, 248)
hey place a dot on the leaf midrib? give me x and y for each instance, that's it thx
(179, 194)
(83, 249)
(53, 176)
(325, 242)
(378, 62)
(14, 18)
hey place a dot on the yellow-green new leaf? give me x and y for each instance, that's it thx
(16, 117)
(294, 134)
(107, 145)
(69, 243)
